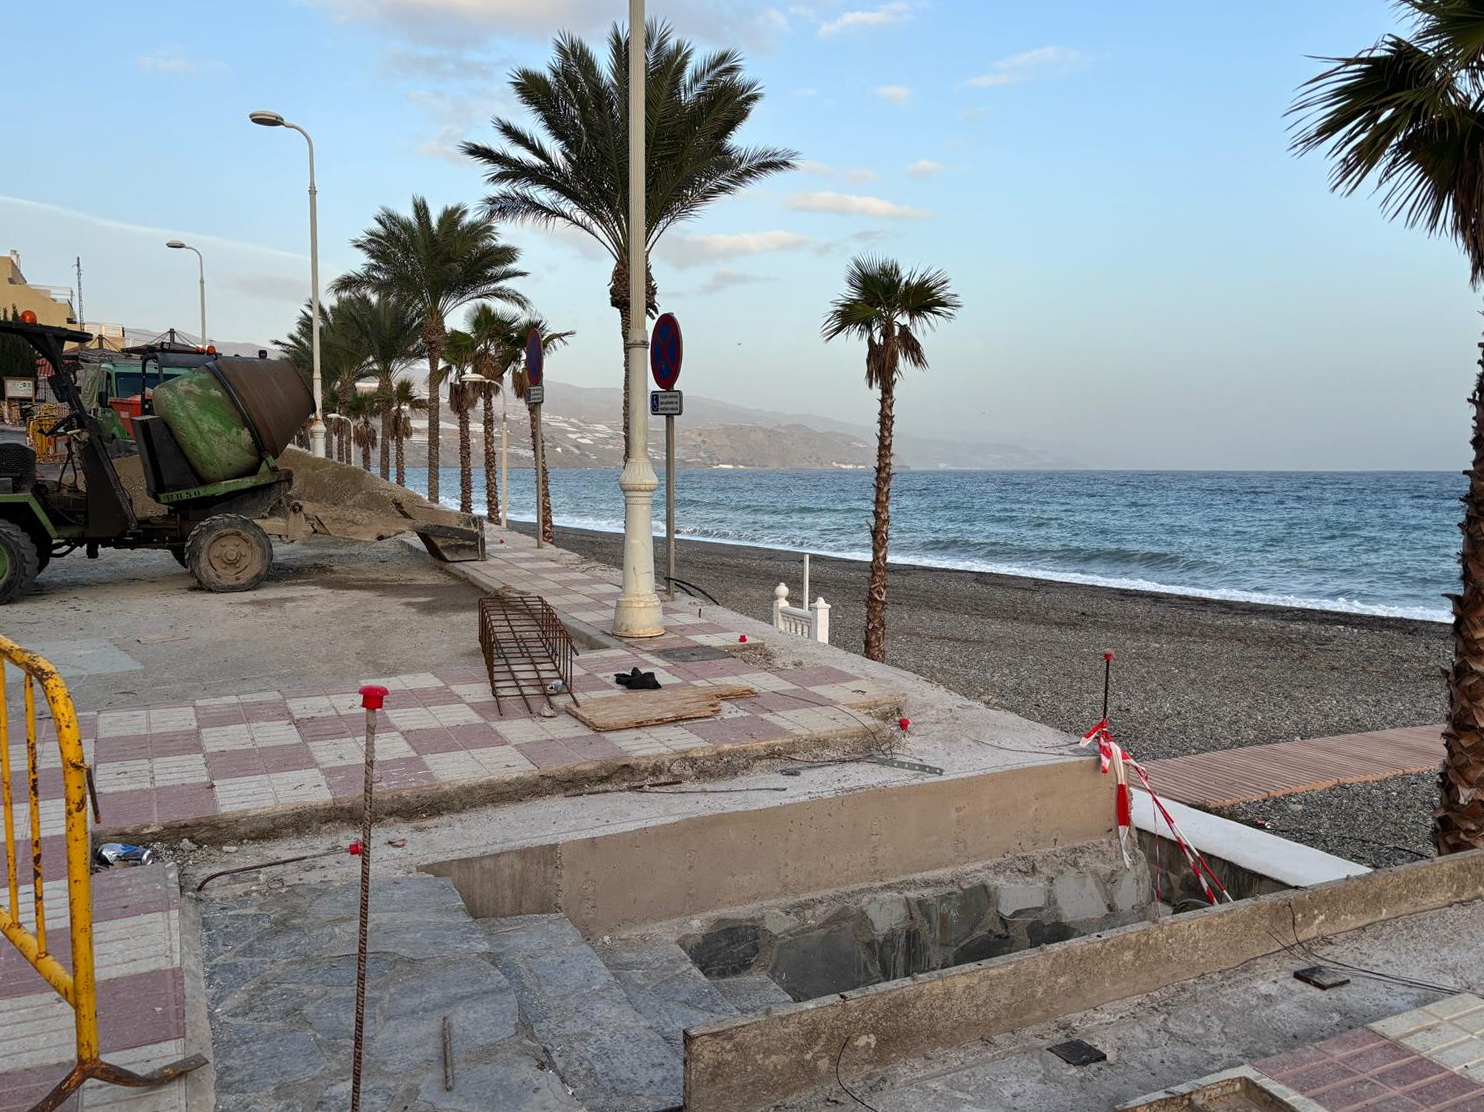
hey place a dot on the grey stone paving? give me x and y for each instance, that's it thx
(752, 993)
(664, 986)
(280, 975)
(605, 1050)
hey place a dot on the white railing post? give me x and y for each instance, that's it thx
(821, 621)
(780, 600)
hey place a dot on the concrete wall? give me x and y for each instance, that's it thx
(708, 863)
(752, 1063)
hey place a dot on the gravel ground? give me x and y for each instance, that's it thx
(1379, 823)
(1190, 676)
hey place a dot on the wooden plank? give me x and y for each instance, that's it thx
(653, 708)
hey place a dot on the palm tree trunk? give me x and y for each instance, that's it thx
(548, 533)
(880, 525)
(401, 456)
(491, 475)
(433, 340)
(466, 458)
(1459, 822)
(386, 427)
(366, 453)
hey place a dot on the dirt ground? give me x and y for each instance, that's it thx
(132, 628)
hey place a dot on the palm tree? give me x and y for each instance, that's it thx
(385, 336)
(434, 265)
(572, 170)
(405, 402)
(362, 432)
(496, 348)
(550, 341)
(460, 354)
(886, 307)
(337, 357)
(1407, 115)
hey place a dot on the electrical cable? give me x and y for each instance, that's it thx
(841, 1081)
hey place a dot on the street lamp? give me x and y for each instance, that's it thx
(637, 611)
(200, 266)
(317, 428)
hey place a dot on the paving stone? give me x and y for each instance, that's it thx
(1128, 894)
(952, 918)
(603, 1048)
(257, 1058)
(887, 912)
(752, 993)
(664, 986)
(515, 1082)
(1078, 896)
(820, 962)
(1020, 900)
(726, 951)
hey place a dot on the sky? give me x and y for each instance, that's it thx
(1150, 279)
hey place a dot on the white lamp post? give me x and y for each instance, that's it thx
(317, 428)
(201, 267)
(637, 612)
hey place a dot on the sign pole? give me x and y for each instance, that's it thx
(540, 483)
(670, 507)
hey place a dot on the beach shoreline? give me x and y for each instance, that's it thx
(1191, 674)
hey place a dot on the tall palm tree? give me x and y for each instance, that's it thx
(496, 347)
(337, 356)
(405, 402)
(572, 169)
(550, 341)
(887, 307)
(1407, 116)
(460, 354)
(386, 337)
(434, 265)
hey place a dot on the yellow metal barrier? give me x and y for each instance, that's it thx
(79, 985)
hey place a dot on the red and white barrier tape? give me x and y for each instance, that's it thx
(1113, 756)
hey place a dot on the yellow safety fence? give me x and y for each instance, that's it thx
(77, 986)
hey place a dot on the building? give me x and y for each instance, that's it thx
(51, 304)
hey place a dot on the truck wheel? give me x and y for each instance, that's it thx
(228, 553)
(18, 463)
(18, 561)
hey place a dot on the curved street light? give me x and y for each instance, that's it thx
(317, 428)
(201, 267)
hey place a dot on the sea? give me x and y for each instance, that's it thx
(1373, 542)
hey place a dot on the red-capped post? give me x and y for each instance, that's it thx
(372, 697)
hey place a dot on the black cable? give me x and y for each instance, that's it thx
(1352, 838)
(841, 1081)
(1305, 951)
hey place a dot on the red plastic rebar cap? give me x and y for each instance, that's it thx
(372, 696)
(1107, 656)
(904, 723)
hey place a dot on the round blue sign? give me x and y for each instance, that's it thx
(665, 350)
(535, 357)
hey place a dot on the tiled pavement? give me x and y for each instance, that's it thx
(141, 995)
(1428, 1059)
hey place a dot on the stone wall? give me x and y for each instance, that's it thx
(1177, 883)
(846, 939)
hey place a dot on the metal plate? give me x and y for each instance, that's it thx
(1320, 977)
(692, 655)
(1075, 1052)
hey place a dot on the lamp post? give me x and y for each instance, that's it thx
(637, 612)
(201, 267)
(317, 427)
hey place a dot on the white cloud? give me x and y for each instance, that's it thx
(861, 175)
(898, 11)
(924, 168)
(1042, 62)
(825, 170)
(847, 204)
(690, 250)
(896, 94)
(292, 289)
(174, 59)
(725, 279)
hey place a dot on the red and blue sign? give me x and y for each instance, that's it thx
(665, 350)
(535, 357)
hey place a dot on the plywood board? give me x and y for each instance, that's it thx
(653, 708)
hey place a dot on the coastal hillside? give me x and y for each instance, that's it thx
(584, 429)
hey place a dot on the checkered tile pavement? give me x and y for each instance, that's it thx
(1427, 1060)
(141, 992)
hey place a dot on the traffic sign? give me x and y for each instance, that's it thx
(535, 358)
(665, 350)
(535, 393)
(665, 403)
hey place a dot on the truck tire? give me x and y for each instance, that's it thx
(18, 463)
(18, 561)
(228, 553)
